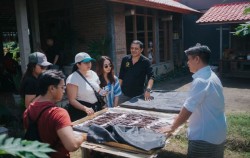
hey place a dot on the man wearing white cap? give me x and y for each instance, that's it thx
(29, 83)
(81, 95)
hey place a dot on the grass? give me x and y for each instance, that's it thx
(237, 143)
(238, 138)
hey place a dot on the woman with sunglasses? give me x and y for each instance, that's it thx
(109, 81)
(29, 84)
(82, 98)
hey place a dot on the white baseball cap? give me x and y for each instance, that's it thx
(83, 57)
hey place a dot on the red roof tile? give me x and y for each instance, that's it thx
(168, 5)
(226, 13)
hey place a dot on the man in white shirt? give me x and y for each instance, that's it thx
(204, 108)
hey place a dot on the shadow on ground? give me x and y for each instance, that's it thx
(170, 154)
(242, 83)
(174, 83)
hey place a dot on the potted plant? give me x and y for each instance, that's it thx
(98, 47)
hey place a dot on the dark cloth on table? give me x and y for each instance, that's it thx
(140, 138)
(134, 76)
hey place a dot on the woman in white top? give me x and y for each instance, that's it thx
(81, 96)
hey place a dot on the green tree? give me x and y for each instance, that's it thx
(243, 29)
(98, 47)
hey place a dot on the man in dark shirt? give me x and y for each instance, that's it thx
(53, 53)
(134, 71)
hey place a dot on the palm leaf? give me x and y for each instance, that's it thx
(23, 148)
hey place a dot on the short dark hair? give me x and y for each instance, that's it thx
(49, 77)
(199, 50)
(138, 42)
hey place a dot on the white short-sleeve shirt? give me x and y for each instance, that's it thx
(85, 92)
(206, 102)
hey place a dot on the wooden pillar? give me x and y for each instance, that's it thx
(171, 55)
(145, 33)
(34, 19)
(221, 29)
(221, 42)
(111, 35)
(230, 38)
(134, 27)
(165, 39)
(156, 43)
(23, 32)
(1, 44)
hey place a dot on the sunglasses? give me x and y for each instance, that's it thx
(109, 65)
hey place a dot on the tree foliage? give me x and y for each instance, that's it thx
(98, 47)
(243, 29)
(23, 148)
(13, 48)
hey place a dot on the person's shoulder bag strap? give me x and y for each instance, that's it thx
(86, 81)
(97, 95)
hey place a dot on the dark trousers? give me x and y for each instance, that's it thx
(76, 114)
(203, 149)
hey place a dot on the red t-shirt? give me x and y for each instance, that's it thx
(50, 121)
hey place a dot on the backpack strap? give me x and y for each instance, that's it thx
(39, 114)
(48, 107)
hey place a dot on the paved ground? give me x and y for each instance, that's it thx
(236, 91)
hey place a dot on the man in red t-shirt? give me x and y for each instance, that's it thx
(54, 125)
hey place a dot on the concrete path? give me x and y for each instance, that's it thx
(236, 91)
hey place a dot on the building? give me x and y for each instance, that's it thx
(89, 25)
(217, 30)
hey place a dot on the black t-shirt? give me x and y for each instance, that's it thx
(134, 76)
(30, 86)
(51, 53)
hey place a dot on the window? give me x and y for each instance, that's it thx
(139, 26)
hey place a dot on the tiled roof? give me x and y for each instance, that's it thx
(226, 13)
(168, 5)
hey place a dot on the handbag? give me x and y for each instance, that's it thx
(98, 96)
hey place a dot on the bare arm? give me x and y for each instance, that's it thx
(116, 100)
(120, 81)
(180, 119)
(72, 94)
(69, 139)
(28, 99)
(150, 85)
(55, 59)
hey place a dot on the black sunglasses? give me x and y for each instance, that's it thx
(109, 65)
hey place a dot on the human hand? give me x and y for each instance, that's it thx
(103, 92)
(167, 129)
(89, 111)
(147, 96)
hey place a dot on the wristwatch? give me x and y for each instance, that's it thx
(148, 90)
